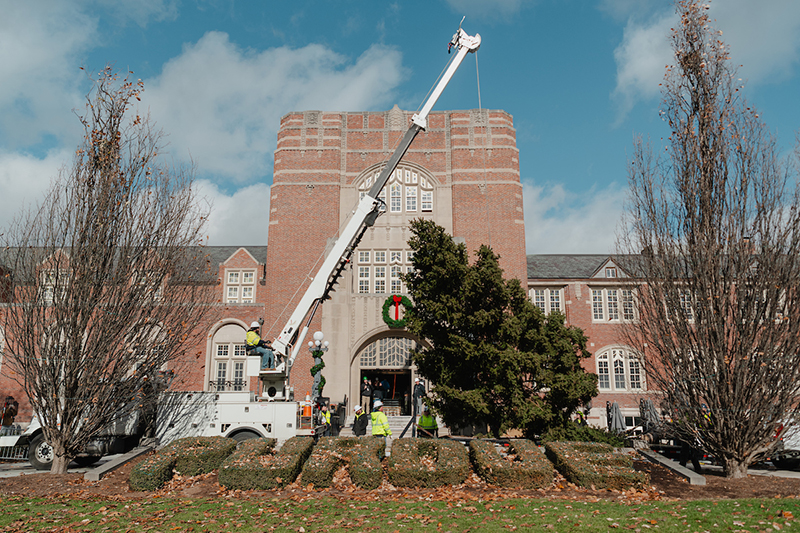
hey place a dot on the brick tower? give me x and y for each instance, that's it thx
(462, 172)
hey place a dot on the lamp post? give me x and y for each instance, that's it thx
(317, 347)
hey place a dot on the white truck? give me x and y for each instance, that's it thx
(272, 410)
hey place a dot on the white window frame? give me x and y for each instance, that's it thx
(229, 366)
(613, 304)
(620, 370)
(548, 299)
(380, 280)
(240, 286)
(364, 279)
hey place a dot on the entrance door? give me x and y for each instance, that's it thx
(388, 361)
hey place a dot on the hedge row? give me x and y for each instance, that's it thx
(526, 466)
(190, 456)
(413, 463)
(256, 466)
(362, 455)
(427, 463)
(593, 464)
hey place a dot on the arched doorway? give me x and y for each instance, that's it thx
(387, 360)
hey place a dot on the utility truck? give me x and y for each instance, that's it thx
(272, 410)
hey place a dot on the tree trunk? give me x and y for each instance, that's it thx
(735, 469)
(60, 463)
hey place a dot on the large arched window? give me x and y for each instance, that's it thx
(228, 359)
(409, 191)
(619, 369)
(387, 352)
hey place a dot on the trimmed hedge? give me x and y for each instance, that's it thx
(190, 456)
(256, 466)
(447, 463)
(528, 467)
(362, 455)
(593, 464)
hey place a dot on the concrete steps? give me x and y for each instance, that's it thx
(396, 423)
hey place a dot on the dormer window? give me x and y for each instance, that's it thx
(611, 272)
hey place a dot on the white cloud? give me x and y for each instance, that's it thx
(558, 221)
(764, 37)
(23, 180)
(641, 60)
(482, 8)
(222, 104)
(239, 219)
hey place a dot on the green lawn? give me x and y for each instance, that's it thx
(332, 515)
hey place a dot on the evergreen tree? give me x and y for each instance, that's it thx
(492, 355)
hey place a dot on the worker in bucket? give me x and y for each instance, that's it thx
(256, 344)
(380, 422)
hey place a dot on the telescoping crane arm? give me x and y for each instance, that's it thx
(290, 341)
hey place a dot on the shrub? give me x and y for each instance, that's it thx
(363, 456)
(526, 467)
(189, 456)
(256, 466)
(427, 463)
(594, 464)
(575, 433)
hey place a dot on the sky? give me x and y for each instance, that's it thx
(580, 77)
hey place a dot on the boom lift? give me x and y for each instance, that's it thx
(290, 341)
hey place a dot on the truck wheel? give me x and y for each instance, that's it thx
(87, 460)
(40, 453)
(245, 435)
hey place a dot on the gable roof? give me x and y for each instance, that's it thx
(575, 266)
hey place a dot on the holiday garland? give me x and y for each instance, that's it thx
(318, 368)
(393, 300)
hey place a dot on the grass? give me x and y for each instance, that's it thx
(334, 515)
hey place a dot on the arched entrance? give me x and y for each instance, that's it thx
(388, 361)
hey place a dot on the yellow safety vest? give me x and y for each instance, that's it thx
(427, 422)
(252, 338)
(380, 424)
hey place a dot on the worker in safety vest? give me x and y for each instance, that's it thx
(325, 420)
(255, 343)
(380, 423)
(360, 423)
(427, 425)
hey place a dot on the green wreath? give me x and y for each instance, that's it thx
(392, 323)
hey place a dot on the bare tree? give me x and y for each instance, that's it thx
(107, 278)
(717, 221)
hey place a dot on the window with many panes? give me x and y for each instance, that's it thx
(52, 285)
(548, 299)
(619, 370)
(409, 191)
(229, 359)
(376, 277)
(613, 304)
(387, 352)
(240, 286)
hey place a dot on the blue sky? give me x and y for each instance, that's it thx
(580, 78)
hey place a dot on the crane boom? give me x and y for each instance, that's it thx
(290, 340)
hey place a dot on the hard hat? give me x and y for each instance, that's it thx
(365, 378)
(424, 407)
(357, 408)
(254, 324)
(377, 404)
(416, 380)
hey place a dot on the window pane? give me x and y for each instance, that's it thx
(363, 280)
(239, 350)
(248, 278)
(555, 300)
(247, 294)
(363, 257)
(538, 299)
(627, 305)
(427, 201)
(233, 294)
(603, 381)
(222, 350)
(597, 304)
(380, 257)
(396, 197)
(636, 374)
(233, 277)
(613, 305)
(396, 257)
(411, 199)
(619, 374)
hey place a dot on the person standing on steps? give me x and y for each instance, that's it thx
(380, 422)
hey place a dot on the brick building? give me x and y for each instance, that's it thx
(596, 295)
(462, 172)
